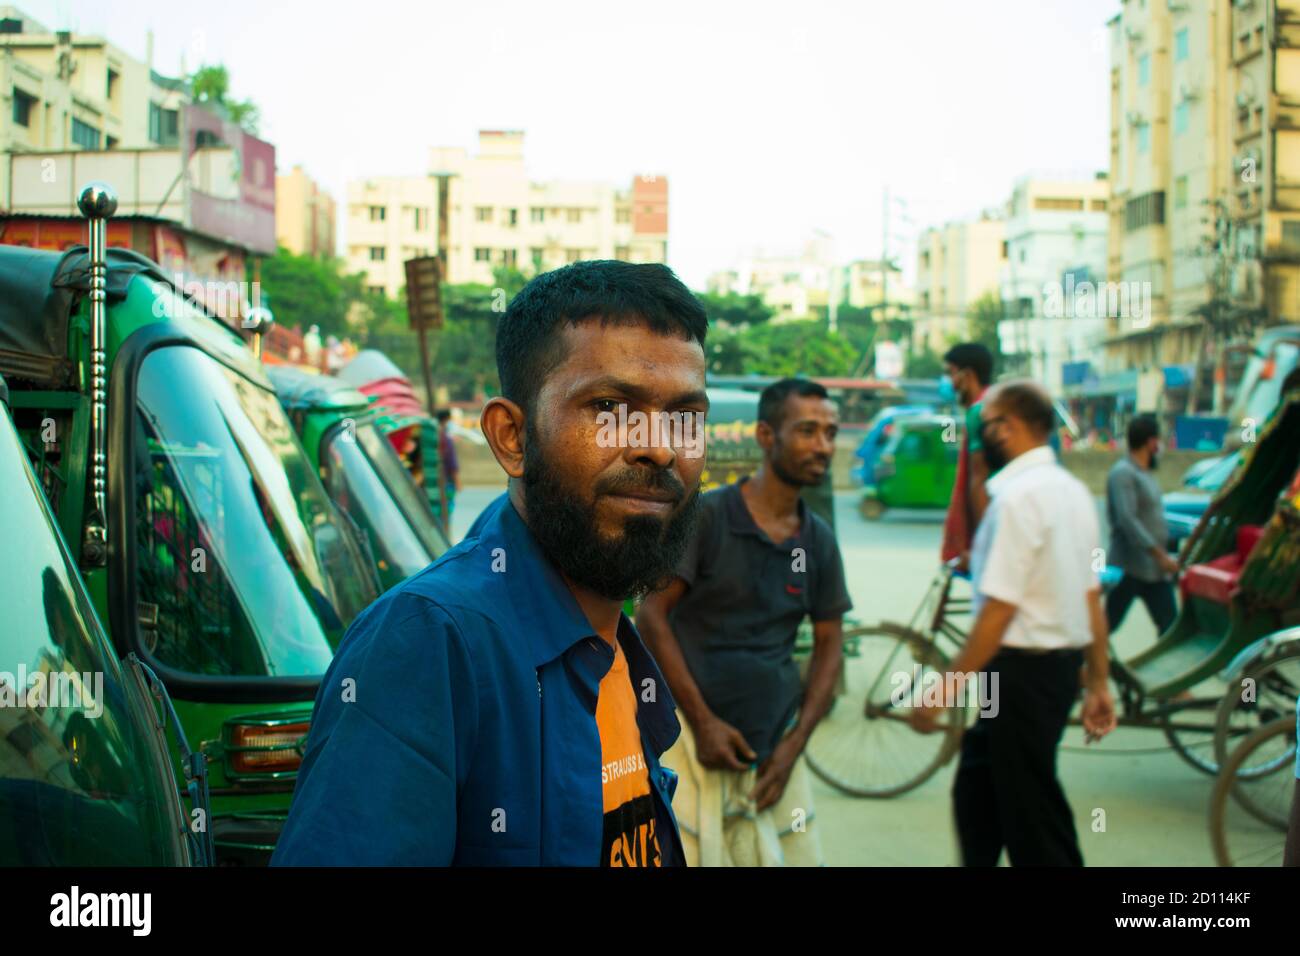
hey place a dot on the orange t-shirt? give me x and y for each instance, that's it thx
(629, 837)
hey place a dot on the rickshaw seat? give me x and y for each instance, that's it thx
(1154, 670)
(1217, 580)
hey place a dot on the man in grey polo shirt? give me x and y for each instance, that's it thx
(724, 631)
(1138, 533)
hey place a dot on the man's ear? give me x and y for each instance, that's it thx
(503, 422)
(765, 435)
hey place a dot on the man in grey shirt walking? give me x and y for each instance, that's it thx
(1138, 534)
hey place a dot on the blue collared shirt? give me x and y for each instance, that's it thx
(457, 723)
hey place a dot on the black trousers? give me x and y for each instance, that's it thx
(1006, 794)
(1158, 596)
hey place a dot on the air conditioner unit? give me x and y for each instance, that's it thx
(1188, 93)
(1178, 6)
(1243, 4)
(1135, 118)
(1244, 99)
(1134, 35)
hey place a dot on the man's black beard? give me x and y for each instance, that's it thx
(642, 559)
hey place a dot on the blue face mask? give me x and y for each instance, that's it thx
(947, 393)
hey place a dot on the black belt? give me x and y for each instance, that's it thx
(1039, 652)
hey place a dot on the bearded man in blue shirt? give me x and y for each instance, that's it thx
(498, 708)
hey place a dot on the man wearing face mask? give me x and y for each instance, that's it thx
(968, 369)
(1039, 632)
(1138, 534)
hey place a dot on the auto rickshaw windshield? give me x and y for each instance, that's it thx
(248, 566)
(354, 458)
(77, 787)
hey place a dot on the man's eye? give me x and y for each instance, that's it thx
(605, 405)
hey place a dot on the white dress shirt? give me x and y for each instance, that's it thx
(1036, 548)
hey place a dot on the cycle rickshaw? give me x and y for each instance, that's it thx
(1229, 665)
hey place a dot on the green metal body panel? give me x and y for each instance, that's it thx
(148, 303)
(320, 422)
(77, 788)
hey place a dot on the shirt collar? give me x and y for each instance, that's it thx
(740, 521)
(544, 600)
(1042, 455)
(656, 717)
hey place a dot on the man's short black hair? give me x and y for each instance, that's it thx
(1029, 402)
(1141, 430)
(973, 356)
(615, 293)
(771, 404)
(442, 414)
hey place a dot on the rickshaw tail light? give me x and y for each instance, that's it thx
(276, 748)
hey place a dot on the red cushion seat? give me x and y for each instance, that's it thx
(1217, 580)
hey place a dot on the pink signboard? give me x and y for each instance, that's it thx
(231, 176)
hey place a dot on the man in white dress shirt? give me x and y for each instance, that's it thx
(1038, 621)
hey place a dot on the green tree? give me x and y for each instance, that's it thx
(304, 291)
(926, 363)
(735, 310)
(982, 318)
(210, 86)
(803, 347)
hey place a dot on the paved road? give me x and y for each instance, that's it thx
(1155, 805)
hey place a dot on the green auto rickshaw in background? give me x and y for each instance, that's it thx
(208, 545)
(916, 468)
(361, 471)
(85, 777)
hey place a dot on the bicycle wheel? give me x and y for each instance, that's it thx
(1189, 728)
(1274, 687)
(1257, 836)
(865, 746)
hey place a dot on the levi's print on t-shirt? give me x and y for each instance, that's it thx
(629, 838)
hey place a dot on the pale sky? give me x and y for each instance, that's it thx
(771, 120)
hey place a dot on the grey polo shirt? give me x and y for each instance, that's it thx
(747, 595)
(1135, 510)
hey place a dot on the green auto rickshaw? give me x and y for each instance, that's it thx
(85, 777)
(361, 471)
(916, 468)
(208, 545)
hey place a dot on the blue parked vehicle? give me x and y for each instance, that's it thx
(1183, 508)
(879, 430)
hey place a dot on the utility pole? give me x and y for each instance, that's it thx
(884, 254)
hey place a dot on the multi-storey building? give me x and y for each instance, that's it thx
(496, 216)
(1205, 182)
(956, 264)
(792, 286)
(1053, 287)
(67, 91)
(304, 215)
